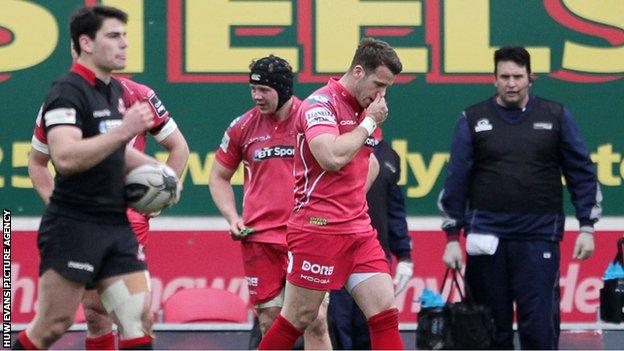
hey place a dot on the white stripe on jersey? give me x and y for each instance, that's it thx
(310, 192)
(60, 116)
(248, 169)
(300, 138)
(39, 146)
(169, 127)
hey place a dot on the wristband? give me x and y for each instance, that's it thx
(369, 124)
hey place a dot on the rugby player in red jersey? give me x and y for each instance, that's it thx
(331, 243)
(263, 139)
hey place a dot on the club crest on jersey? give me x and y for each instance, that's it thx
(278, 151)
(482, 125)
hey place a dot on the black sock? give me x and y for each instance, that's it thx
(147, 346)
(17, 345)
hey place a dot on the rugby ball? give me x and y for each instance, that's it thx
(152, 188)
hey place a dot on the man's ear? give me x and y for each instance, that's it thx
(358, 71)
(85, 44)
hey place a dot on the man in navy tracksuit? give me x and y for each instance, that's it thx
(503, 186)
(386, 207)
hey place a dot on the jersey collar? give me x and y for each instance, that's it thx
(346, 95)
(84, 72)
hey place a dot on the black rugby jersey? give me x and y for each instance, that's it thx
(80, 99)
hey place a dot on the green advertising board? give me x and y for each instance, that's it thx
(195, 55)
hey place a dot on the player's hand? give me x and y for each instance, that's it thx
(378, 110)
(237, 231)
(453, 255)
(584, 245)
(402, 276)
(138, 119)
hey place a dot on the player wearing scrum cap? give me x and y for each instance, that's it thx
(263, 139)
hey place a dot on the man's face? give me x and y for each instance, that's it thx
(109, 45)
(512, 84)
(265, 98)
(368, 85)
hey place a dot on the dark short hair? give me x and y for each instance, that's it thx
(517, 54)
(372, 53)
(88, 20)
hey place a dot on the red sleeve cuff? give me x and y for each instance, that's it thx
(317, 130)
(224, 160)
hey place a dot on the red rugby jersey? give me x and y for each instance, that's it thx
(266, 149)
(330, 202)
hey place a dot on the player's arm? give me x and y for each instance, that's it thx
(373, 171)
(178, 149)
(333, 152)
(581, 180)
(40, 174)
(135, 158)
(454, 196)
(72, 154)
(223, 195)
(452, 200)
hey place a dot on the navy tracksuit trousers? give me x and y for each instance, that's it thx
(525, 272)
(347, 322)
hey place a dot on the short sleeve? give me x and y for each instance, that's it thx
(229, 153)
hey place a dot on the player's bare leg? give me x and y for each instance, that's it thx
(316, 335)
(99, 324)
(375, 297)
(127, 300)
(301, 305)
(58, 301)
(266, 316)
(300, 309)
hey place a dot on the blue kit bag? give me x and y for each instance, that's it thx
(462, 325)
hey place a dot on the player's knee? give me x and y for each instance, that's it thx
(130, 310)
(305, 316)
(383, 304)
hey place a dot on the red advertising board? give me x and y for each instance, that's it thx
(184, 259)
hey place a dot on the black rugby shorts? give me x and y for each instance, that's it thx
(87, 252)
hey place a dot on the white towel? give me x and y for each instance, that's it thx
(481, 244)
